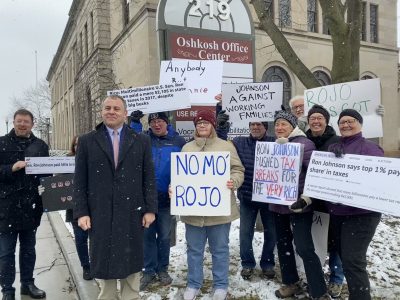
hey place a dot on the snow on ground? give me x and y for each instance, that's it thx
(383, 267)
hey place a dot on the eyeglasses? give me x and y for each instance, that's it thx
(348, 122)
(203, 123)
(300, 106)
(316, 118)
(156, 122)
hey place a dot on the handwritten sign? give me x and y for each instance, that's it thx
(50, 165)
(154, 98)
(252, 102)
(367, 182)
(198, 183)
(364, 96)
(203, 78)
(58, 192)
(276, 172)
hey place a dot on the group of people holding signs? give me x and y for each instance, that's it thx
(129, 184)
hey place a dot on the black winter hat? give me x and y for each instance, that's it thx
(159, 115)
(318, 109)
(283, 114)
(351, 113)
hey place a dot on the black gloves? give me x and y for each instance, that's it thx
(301, 204)
(222, 120)
(136, 116)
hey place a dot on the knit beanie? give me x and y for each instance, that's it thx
(282, 114)
(206, 115)
(159, 115)
(351, 113)
(320, 110)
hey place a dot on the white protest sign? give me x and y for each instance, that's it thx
(154, 98)
(50, 165)
(367, 182)
(276, 172)
(251, 102)
(364, 96)
(202, 77)
(198, 183)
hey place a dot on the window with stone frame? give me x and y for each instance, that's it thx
(312, 15)
(269, 7)
(322, 77)
(285, 19)
(373, 23)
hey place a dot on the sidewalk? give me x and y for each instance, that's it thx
(51, 270)
(84, 290)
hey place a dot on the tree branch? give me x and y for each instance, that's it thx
(282, 45)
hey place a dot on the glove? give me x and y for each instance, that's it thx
(136, 116)
(41, 189)
(380, 110)
(222, 120)
(338, 151)
(302, 123)
(301, 204)
(281, 140)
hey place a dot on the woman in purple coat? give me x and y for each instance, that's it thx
(353, 228)
(296, 226)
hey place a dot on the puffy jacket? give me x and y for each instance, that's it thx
(20, 204)
(355, 144)
(245, 147)
(213, 143)
(162, 147)
(298, 136)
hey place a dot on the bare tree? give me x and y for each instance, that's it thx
(38, 101)
(343, 19)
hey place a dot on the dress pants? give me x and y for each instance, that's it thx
(129, 288)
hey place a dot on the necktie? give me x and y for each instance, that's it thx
(115, 147)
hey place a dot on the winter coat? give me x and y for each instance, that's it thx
(322, 143)
(162, 147)
(212, 144)
(20, 204)
(355, 144)
(245, 147)
(114, 199)
(298, 136)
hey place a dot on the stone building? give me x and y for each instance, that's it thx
(109, 44)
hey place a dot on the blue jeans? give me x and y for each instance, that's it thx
(157, 243)
(248, 216)
(27, 258)
(81, 243)
(218, 240)
(301, 233)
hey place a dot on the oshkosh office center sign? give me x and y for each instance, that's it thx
(208, 30)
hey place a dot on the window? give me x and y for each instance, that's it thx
(125, 11)
(364, 21)
(373, 23)
(91, 30)
(325, 29)
(269, 7)
(365, 77)
(276, 73)
(312, 16)
(285, 19)
(322, 77)
(86, 41)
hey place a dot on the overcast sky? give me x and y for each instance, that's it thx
(26, 26)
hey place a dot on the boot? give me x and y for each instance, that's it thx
(33, 291)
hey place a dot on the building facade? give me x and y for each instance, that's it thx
(114, 44)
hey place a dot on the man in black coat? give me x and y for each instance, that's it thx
(116, 196)
(20, 205)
